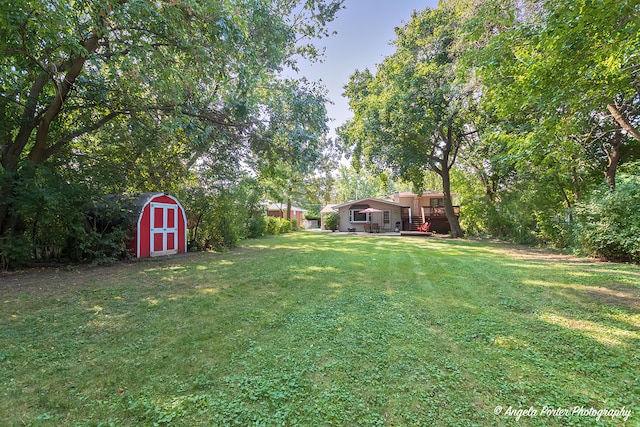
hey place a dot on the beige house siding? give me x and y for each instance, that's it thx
(394, 215)
(395, 205)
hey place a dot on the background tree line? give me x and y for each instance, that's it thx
(529, 109)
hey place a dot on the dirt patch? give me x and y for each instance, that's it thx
(614, 295)
(50, 280)
(532, 253)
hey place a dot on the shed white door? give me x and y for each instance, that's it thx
(164, 229)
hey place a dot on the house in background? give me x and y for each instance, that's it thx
(279, 210)
(407, 211)
(352, 220)
(427, 207)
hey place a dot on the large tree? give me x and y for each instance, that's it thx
(413, 114)
(138, 95)
(290, 140)
(568, 72)
(67, 69)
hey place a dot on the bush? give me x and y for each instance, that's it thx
(553, 228)
(226, 223)
(331, 221)
(294, 225)
(285, 225)
(272, 225)
(221, 217)
(608, 225)
(256, 227)
(51, 222)
(102, 248)
(277, 226)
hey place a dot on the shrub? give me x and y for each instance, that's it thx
(608, 225)
(51, 222)
(552, 228)
(331, 221)
(294, 225)
(256, 227)
(272, 225)
(221, 217)
(276, 226)
(227, 221)
(285, 225)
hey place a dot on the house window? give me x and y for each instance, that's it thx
(437, 202)
(386, 215)
(356, 216)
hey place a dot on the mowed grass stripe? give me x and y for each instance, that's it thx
(323, 329)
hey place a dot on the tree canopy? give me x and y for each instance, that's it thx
(526, 107)
(412, 115)
(143, 94)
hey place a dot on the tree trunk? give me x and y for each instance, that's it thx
(454, 223)
(442, 166)
(32, 120)
(614, 155)
(5, 193)
(289, 193)
(8, 221)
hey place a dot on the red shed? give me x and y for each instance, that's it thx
(161, 226)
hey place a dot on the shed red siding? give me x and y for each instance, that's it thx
(161, 227)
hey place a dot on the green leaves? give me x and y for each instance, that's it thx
(142, 95)
(175, 57)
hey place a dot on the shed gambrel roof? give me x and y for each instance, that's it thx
(118, 209)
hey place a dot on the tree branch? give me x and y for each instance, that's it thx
(622, 121)
(79, 132)
(39, 150)
(29, 121)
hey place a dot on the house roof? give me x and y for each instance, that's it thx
(283, 206)
(328, 208)
(424, 193)
(368, 200)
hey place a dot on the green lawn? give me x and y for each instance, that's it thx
(311, 329)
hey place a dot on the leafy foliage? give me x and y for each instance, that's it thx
(556, 108)
(412, 116)
(275, 225)
(54, 226)
(256, 227)
(220, 219)
(331, 221)
(127, 97)
(608, 224)
(353, 184)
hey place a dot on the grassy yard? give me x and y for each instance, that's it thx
(312, 329)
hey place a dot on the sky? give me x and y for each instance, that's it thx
(365, 29)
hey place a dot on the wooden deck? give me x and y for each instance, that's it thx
(416, 233)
